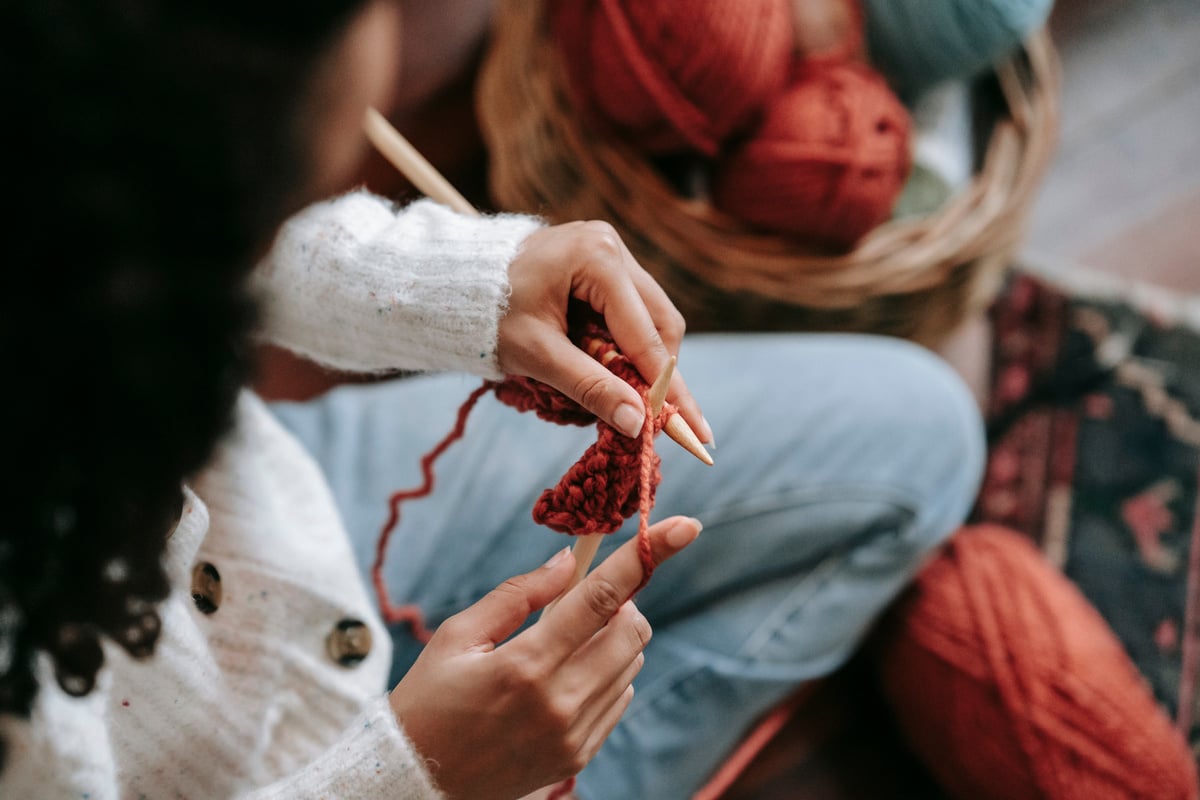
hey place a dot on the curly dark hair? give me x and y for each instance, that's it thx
(159, 144)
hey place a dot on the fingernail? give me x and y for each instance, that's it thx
(683, 534)
(628, 420)
(556, 558)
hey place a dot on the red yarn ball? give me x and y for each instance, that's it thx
(670, 76)
(828, 162)
(1009, 685)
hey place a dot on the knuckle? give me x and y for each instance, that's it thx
(563, 711)
(655, 341)
(635, 627)
(601, 229)
(641, 630)
(453, 628)
(603, 596)
(522, 676)
(559, 718)
(514, 592)
(602, 240)
(590, 390)
(673, 325)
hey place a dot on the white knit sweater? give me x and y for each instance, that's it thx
(246, 700)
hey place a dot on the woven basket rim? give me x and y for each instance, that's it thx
(524, 107)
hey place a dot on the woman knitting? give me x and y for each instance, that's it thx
(183, 607)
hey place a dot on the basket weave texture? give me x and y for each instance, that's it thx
(914, 278)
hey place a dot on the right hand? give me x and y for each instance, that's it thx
(588, 262)
(497, 719)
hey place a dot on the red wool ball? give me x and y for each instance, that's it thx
(671, 76)
(828, 162)
(1010, 686)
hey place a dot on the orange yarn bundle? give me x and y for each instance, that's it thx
(1009, 685)
(828, 162)
(674, 77)
(817, 149)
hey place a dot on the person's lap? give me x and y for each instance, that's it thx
(842, 461)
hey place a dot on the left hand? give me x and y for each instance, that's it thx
(588, 261)
(496, 715)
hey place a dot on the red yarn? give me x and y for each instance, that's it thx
(562, 790)
(828, 162)
(674, 77)
(1009, 685)
(411, 614)
(601, 490)
(614, 478)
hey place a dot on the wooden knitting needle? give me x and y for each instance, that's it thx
(586, 547)
(675, 427)
(658, 390)
(423, 175)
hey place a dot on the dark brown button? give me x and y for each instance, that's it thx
(349, 642)
(206, 587)
(75, 685)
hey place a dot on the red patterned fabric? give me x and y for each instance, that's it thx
(1095, 456)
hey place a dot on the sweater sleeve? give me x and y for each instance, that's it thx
(356, 285)
(65, 752)
(372, 759)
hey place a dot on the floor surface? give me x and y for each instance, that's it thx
(1123, 195)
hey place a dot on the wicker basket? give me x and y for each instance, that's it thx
(912, 278)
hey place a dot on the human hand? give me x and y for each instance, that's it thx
(499, 720)
(587, 261)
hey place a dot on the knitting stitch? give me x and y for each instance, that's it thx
(614, 478)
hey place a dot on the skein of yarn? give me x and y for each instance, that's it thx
(918, 43)
(827, 163)
(1009, 685)
(672, 78)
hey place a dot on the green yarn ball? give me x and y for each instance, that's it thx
(919, 43)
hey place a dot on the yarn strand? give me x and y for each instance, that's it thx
(648, 468)
(615, 478)
(411, 614)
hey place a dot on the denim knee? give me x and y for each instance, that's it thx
(941, 432)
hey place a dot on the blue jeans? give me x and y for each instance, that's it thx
(842, 462)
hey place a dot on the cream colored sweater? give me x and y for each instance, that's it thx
(244, 696)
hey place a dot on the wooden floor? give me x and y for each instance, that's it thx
(840, 745)
(1123, 196)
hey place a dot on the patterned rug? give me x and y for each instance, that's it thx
(1095, 447)
(1094, 453)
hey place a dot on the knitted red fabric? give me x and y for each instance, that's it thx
(674, 77)
(600, 491)
(1009, 685)
(615, 477)
(828, 162)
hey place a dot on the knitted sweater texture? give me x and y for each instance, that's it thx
(243, 697)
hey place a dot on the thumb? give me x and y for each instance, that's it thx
(579, 376)
(589, 606)
(503, 610)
